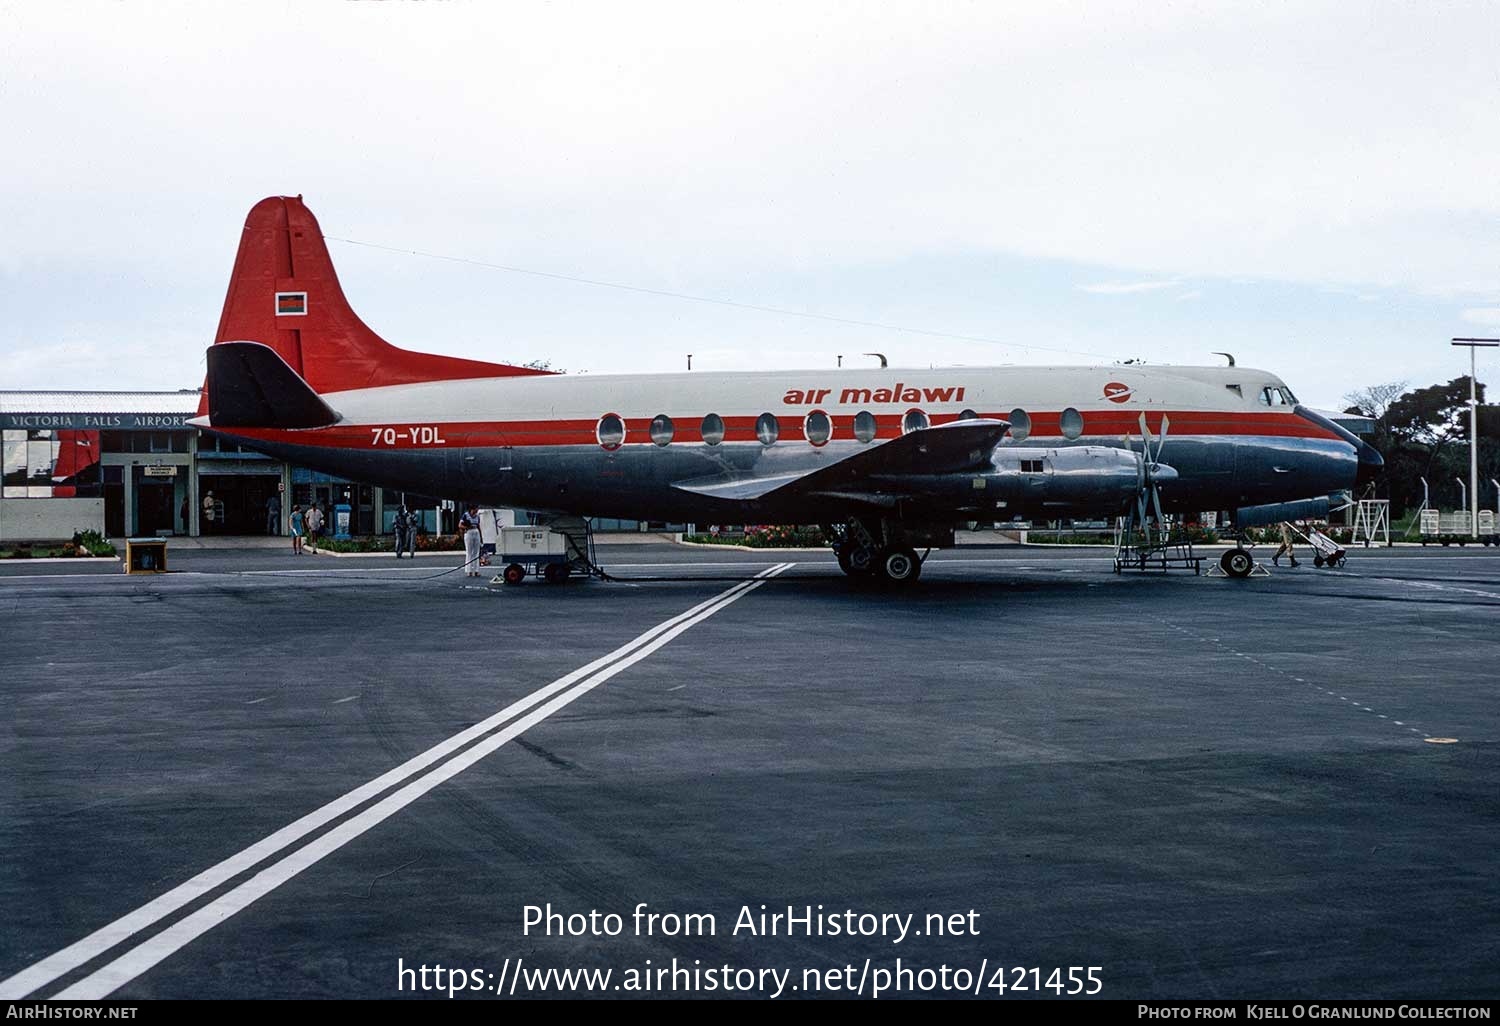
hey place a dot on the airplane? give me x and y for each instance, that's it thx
(890, 460)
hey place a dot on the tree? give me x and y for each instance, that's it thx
(1374, 400)
(1422, 433)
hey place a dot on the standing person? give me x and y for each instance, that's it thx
(406, 532)
(468, 525)
(183, 513)
(314, 526)
(1286, 545)
(273, 515)
(208, 512)
(296, 529)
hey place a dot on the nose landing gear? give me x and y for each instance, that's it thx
(1236, 562)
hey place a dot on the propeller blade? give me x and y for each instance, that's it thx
(1144, 455)
(1166, 422)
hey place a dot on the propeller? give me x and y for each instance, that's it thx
(1147, 465)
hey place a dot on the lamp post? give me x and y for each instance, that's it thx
(1473, 344)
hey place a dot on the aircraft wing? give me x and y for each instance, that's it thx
(947, 449)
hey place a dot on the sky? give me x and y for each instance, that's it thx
(1313, 187)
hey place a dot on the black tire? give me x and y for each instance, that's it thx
(1236, 563)
(555, 573)
(859, 562)
(514, 574)
(900, 566)
(1318, 562)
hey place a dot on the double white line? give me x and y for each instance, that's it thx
(515, 719)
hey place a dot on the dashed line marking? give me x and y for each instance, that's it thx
(1300, 680)
(341, 701)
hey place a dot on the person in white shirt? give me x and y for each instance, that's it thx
(468, 524)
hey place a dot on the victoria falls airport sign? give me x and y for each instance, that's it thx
(96, 421)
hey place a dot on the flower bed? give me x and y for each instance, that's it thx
(387, 543)
(82, 545)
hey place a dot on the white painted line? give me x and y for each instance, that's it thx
(142, 957)
(341, 701)
(257, 701)
(677, 688)
(106, 937)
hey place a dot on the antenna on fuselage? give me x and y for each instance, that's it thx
(1227, 356)
(878, 356)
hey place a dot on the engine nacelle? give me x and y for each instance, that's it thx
(1276, 512)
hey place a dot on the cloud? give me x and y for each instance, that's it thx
(1487, 315)
(1118, 288)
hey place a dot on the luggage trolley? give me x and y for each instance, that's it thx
(553, 552)
(1326, 551)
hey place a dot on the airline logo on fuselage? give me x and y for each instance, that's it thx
(901, 393)
(1118, 392)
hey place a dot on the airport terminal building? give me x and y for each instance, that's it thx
(127, 464)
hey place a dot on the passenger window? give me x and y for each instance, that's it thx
(915, 420)
(864, 426)
(610, 431)
(1020, 424)
(1071, 423)
(662, 429)
(818, 428)
(713, 429)
(968, 415)
(767, 428)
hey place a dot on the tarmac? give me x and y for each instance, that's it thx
(267, 776)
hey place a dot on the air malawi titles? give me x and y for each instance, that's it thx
(902, 393)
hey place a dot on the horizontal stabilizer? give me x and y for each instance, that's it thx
(250, 385)
(947, 449)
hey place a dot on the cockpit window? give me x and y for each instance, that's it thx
(1286, 393)
(1273, 396)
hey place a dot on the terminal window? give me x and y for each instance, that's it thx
(45, 464)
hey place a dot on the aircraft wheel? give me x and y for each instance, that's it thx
(900, 566)
(555, 573)
(514, 574)
(1236, 563)
(857, 562)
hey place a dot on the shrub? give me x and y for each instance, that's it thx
(91, 543)
(768, 536)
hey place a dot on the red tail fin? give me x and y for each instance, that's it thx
(284, 293)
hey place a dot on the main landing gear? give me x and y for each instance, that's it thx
(880, 555)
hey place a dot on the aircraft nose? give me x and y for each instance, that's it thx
(1371, 463)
